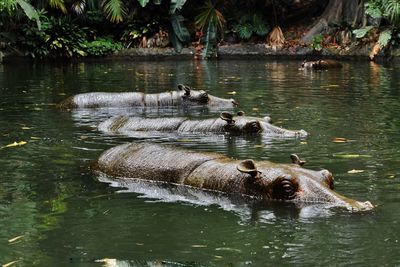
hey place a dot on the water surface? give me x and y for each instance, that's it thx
(55, 212)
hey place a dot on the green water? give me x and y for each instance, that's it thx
(54, 211)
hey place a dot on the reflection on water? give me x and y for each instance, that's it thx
(249, 211)
(54, 212)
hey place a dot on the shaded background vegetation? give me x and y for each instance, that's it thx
(77, 28)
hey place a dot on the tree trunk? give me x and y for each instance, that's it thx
(349, 11)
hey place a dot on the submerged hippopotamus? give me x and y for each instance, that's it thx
(321, 64)
(263, 181)
(183, 96)
(226, 123)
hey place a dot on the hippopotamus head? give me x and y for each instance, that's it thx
(321, 64)
(201, 97)
(292, 183)
(250, 125)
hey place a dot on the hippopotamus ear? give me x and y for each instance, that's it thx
(248, 166)
(228, 117)
(240, 113)
(184, 87)
(297, 160)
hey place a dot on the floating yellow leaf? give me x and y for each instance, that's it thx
(9, 263)
(232, 93)
(199, 246)
(255, 109)
(25, 128)
(14, 239)
(62, 94)
(329, 85)
(303, 143)
(346, 156)
(339, 140)
(355, 171)
(20, 143)
(185, 140)
(35, 138)
(37, 109)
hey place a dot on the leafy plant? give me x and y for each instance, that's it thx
(210, 22)
(178, 33)
(65, 37)
(316, 42)
(12, 5)
(386, 9)
(360, 33)
(59, 37)
(102, 46)
(115, 10)
(392, 11)
(251, 24)
(385, 37)
(31, 39)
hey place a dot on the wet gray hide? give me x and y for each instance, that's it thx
(223, 124)
(184, 96)
(263, 180)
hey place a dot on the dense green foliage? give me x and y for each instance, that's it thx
(251, 24)
(76, 28)
(387, 13)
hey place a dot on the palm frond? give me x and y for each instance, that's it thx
(208, 13)
(392, 11)
(58, 4)
(114, 9)
(79, 6)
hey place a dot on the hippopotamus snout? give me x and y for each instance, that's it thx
(318, 188)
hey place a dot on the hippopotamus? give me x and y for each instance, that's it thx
(263, 181)
(225, 123)
(322, 64)
(184, 96)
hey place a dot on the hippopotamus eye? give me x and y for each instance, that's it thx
(203, 98)
(252, 127)
(285, 189)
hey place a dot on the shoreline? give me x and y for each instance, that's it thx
(232, 51)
